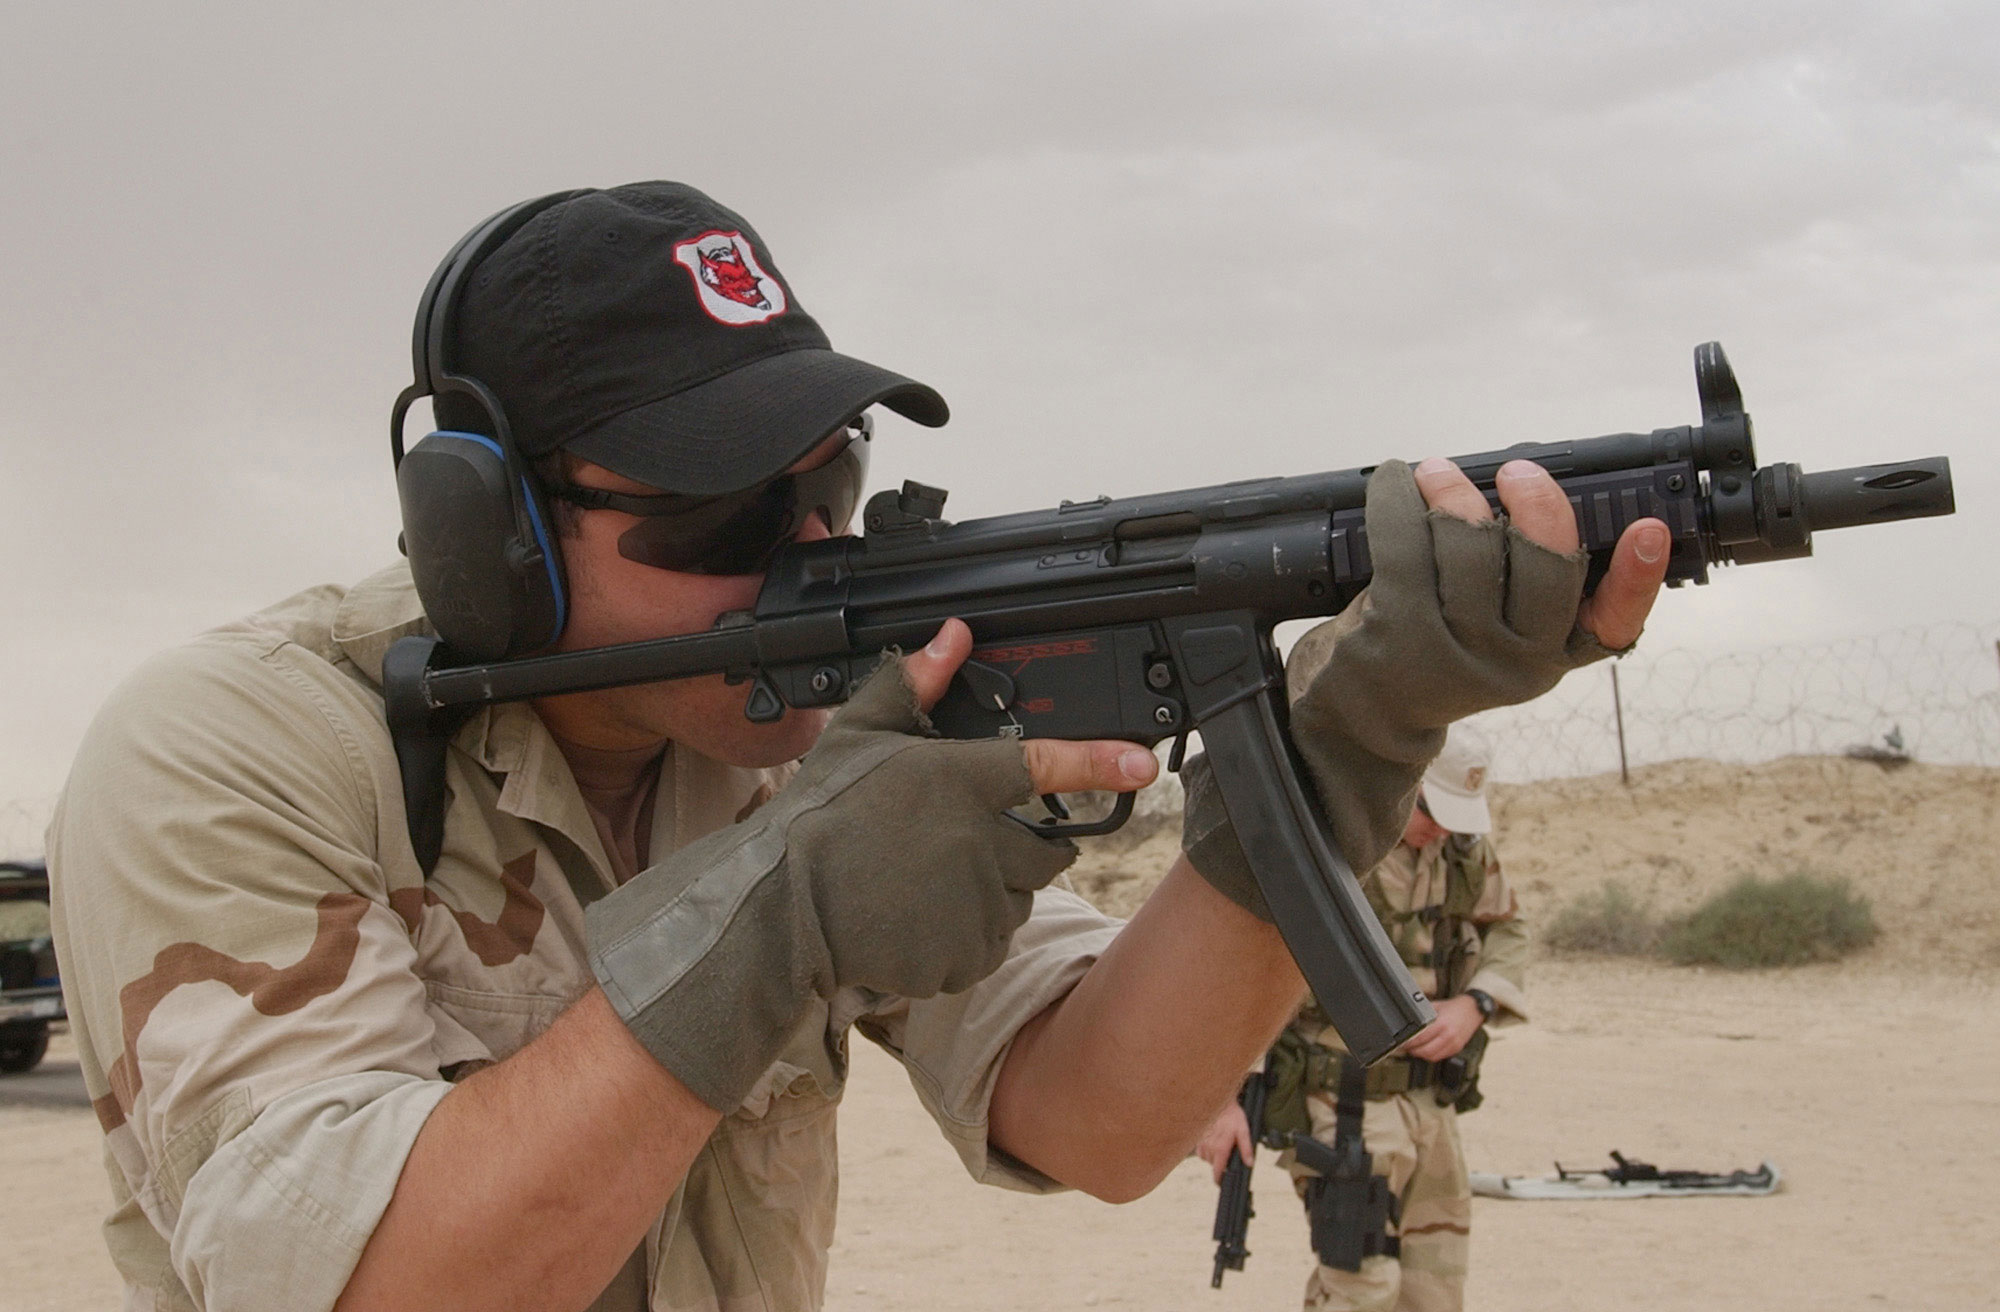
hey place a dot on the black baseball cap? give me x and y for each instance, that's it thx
(647, 329)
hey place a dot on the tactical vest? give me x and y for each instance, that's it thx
(1301, 1066)
(1453, 953)
(1454, 946)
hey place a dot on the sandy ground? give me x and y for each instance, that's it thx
(1875, 1093)
(1875, 1085)
(54, 1189)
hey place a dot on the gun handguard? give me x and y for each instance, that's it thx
(1148, 617)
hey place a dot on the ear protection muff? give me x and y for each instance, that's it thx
(482, 548)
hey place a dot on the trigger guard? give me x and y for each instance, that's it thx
(1054, 830)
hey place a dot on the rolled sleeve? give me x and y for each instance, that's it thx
(953, 1045)
(278, 1215)
(1503, 968)
(1502, 972)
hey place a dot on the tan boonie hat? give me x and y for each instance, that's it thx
(1454, 788)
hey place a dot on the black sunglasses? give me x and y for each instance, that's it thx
(736, 532)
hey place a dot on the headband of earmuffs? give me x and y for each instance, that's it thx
(482, 550)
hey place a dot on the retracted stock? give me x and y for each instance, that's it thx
(1147, 617)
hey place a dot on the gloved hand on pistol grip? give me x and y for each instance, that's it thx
(1460, 616)
(887, 864)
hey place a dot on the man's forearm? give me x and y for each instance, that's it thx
(1109, 1088)
(535, 1179)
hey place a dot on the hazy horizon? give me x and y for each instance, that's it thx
(1137, 246)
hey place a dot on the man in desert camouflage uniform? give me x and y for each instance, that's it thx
(1452, 916)
(591, 1054)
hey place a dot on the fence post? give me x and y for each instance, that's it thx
(1618, 710)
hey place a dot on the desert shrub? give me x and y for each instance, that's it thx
(1782, 922)
(1610, 921)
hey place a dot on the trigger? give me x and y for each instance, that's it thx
(991, 689)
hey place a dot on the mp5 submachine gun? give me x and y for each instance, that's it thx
(1147, 617)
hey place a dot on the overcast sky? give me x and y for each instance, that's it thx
(1137, 245)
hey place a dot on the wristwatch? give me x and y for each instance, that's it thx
(1484, 1001)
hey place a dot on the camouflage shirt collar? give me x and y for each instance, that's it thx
(375, 612)
(507, 739)
(510, 739)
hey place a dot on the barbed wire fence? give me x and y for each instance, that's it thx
(1931, 693)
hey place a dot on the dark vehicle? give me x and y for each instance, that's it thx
(30, 997)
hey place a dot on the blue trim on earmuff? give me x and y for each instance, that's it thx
(548, 562)
(534, 522)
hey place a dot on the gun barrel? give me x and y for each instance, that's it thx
(1874, 494)
(1773, 515)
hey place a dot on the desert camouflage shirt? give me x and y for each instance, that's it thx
(1409, 890)
(269, 997)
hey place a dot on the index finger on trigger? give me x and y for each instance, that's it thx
(1060, 766)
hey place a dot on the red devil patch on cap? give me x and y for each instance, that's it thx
(733, 287)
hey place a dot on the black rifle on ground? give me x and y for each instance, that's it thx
(1627, 1172)
(1232, 1207)
(1148, 617)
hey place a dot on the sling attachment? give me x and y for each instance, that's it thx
(1350, 1208)
(421, 734)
